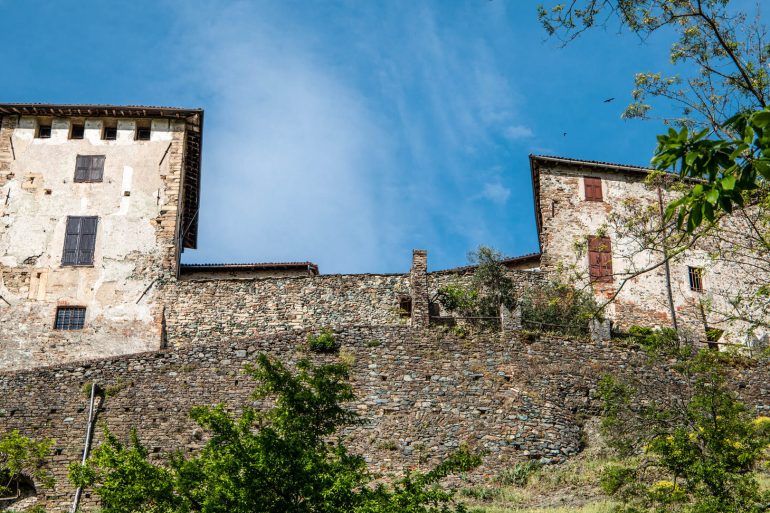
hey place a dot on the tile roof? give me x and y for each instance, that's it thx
(256, 266)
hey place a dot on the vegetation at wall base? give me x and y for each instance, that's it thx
(288, 458)
(702, 451)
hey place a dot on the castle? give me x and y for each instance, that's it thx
(98, 202)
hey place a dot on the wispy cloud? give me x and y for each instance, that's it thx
(516, 132)
(496, 192)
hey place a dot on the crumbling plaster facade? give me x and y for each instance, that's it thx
(566, 219)
(136, 204)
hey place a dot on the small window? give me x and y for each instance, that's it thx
(70, 318)
(143, 133)
(600, 258)
(696, 278)
(110, 131)
(80, 241)
(44, 131)
(593, 188)
(77, 131)
(405, 306)
(89, 168)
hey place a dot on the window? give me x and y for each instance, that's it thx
(77, 131)
(80, 241)
(593, 188)
(696, 278)
(110, 131)
(143, 133)
(405, 306)
(89, 168)
(600, 258)
(70, 318)
(44, 131)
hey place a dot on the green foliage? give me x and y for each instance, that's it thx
(490, 287)
(729, 168)
(519, 474)
(558, 307)
(283, 459)
(22, 458)
(456, 298)
(660, 342)
(324, 342)
(703, 452)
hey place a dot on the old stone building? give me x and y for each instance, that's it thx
(590, 220)
(97, 203)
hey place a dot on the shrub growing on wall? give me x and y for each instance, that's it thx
(558, 307)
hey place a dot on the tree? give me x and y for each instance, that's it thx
(21, 464)
(489, 288)
(701, 446)
(288, 458)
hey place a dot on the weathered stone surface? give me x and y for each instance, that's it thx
(424, 393)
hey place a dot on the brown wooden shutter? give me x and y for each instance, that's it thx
(600, 258)
(593, 188)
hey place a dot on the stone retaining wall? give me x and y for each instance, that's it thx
(424, 392)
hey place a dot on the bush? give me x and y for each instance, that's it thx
(324, 342)
(664, 341)
(520, 473)
(558, 307)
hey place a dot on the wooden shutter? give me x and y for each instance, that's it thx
(600, 258)
(96, 168)
(82, 168)
(71, 237)
(89, 168)
(593, 188)
(80, 241)
(87, 240)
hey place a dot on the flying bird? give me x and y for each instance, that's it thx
(564, 134)
(608, 100)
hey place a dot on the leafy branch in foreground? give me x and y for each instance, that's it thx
(288, 458)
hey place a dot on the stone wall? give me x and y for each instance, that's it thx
(423, 393)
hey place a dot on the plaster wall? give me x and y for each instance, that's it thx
(136, 204)
(567, 221)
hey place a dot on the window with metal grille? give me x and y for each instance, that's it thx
(593, 188)
(80, 241)
(110, 132)
(89, 168)
(600, 258)
(44, 131)
(70, 318)
(143, 133)
(77, 131)
(696, 278)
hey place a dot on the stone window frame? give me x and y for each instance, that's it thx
(77, 129)
(143, 130)
(109, 130)
(44, 129)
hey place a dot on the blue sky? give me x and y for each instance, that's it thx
(347, 133)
